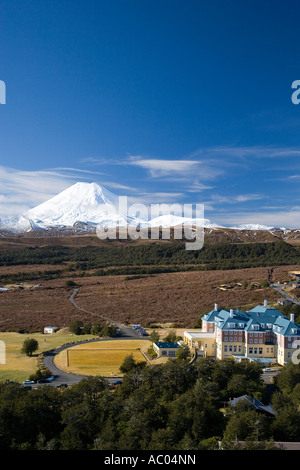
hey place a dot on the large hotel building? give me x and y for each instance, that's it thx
(262, 334)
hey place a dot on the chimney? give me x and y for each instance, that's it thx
(265, 303)
(231, 313)
(216, 307)
(292, 318)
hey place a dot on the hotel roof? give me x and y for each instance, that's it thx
(266, 311)
(286, 327)
(260, 318)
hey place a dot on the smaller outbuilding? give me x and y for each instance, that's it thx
(164, 349)
(50, 329)
(254, 403)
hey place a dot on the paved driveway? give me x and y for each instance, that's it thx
(280, 289)
(62, 377)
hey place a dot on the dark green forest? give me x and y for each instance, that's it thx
(145, 259)
(172, 406)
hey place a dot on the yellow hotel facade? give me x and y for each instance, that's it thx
(262, 334)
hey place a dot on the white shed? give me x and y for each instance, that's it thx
(50, 329)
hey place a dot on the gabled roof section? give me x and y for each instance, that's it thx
(231, 320)
(286, 327)
(211, 316)
(256, 404)
(266, 311)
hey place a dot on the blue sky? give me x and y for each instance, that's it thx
(162, 101)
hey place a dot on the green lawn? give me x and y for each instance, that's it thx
(19, 366)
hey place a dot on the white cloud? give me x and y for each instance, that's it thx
(259, 151)
(176, 170)
(240, 198)
(119, 186)
(21, 190)
(197, 187)
(160, 167)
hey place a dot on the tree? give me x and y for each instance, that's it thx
(76, 327)
(288, 377)
(183, 352)
(30, 345)
(86, 329)
(246, 424)
(238, 385)
(97, 329)
(172, 337)
(128, 364)
(40, 374)
(151, 353)
(154, 336)
(108, 330)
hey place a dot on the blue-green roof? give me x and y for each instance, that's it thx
(266, 311)
(162, 345)
(261, 316)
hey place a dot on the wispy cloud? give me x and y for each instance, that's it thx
(160, 167)
(240, 198)
(244, 152)
(197, 187)
(120, 187)
(21, 190)
(179, 169)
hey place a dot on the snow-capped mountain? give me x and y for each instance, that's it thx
(87, 204)
(90, 205)
(171, 220)
(255, 227)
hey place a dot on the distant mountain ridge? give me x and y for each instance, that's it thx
(83, 206)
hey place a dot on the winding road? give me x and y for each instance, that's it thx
(62, 377)
(126, 331)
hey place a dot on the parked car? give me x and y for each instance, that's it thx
(267, 369)
(28, 382)
(143, 332)
(116, 382)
